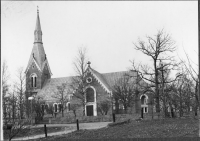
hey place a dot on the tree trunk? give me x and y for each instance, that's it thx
(74, 111)
(62, 112)
(116, 106)
(10, 135)
(152, 108)
(156, 88)
(181, 107)
(196, 98)
(101, 111)
(172, 112)
(195, 111)
(106, 112)
(9, 116)
(137, 109)
(21, 111)
(62, 109)
(165, 108)
(125, 109)
(4, 109)
(83, 109)
(13, 108)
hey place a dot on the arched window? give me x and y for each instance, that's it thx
(33, 80)
(68, 106)
(143, 100)
(89, 95)
(144, 104)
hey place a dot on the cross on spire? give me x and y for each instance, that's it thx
(88, 63)
(37, 9)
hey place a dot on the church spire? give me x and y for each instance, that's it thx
(38, 57)
(38, 31)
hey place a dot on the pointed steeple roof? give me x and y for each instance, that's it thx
(38, 26)
(38, 54)
(38, 30)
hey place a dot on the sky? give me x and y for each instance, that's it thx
(107, 29)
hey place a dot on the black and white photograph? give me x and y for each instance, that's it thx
(100, 70)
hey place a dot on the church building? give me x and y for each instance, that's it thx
(98, 85)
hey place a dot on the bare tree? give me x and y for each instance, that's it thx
(156, 48)
(164, 76)
(5, 87)
(18, 127)
(20, 90)
(14, 106)
(50, 109)
(37, 108)
(75, 104)
(78, 81)
(62, 95)
(183, 92)
(190, 67)
(11, 107)
(124, 91)
(104, 104)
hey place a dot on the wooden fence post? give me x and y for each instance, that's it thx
(113, 117)
(45, 130)
(77, 124)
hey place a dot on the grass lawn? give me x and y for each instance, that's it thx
(143, 129)
(33, 131)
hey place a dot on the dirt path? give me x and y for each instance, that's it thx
(69, 128)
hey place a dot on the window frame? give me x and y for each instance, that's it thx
(93, 100)
(33, 80)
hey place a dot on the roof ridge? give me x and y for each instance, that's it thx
(102, 74)
(115, 72)
(63, 77)
(100, 78)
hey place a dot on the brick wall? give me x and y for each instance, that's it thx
(100, 94)
(28, 78)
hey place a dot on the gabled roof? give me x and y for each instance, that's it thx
(39, 57)
(50, 87)
(106, 80)
(29, 65)
(43, 65)
(111, 78)
(99, 77)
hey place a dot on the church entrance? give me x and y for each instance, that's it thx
(89, 109)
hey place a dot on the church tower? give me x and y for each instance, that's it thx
(38, 69)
